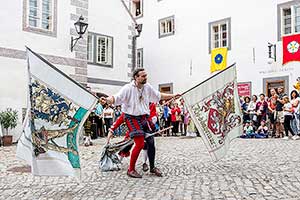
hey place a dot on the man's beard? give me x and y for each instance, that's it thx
(144, 82)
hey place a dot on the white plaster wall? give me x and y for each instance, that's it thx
(110, 18)
(102, 88)
(12, 35)
(253, 25)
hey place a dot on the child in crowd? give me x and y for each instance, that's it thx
(87, 133)
(253, 126)
(262, 131)
(248, 131)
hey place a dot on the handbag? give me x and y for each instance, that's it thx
(178, 118)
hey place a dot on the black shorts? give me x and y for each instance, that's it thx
(272, 118)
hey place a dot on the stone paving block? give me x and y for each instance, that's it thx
(253, 169)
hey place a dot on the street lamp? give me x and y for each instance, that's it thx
(80, 28)
(271, 58)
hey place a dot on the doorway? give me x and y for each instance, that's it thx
(274, 83)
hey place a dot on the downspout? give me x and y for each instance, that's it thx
(134, 38)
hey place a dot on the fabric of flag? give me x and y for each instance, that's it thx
(215, 109)
(57, 110)
(218, 59)
(291, 46)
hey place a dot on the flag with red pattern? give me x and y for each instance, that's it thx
(291, 51)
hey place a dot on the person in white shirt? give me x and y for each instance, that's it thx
(108, 114)
(135, 98)
(288, 116)
(252, 109)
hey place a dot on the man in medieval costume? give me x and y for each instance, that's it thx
(135, 98)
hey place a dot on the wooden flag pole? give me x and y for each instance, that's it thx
(172, 99)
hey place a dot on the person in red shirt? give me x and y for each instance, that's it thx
(261, 109)
(175, 118)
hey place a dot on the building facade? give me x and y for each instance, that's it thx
(178, 37)
(101, 60)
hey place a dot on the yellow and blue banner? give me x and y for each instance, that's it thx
(218, 59)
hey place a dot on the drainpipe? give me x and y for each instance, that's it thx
(138, 28)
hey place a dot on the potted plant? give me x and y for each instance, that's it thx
(8, 120)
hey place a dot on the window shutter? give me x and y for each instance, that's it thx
(109, 51)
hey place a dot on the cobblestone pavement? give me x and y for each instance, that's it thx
(253, 169)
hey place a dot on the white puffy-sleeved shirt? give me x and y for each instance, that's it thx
(136, 101)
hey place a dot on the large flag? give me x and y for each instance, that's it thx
(291, 48)
(218, 59)
(57, 109)
(215, 109)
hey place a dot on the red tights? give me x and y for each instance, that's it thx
(139, 145)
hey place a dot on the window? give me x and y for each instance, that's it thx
(287, 21)
(137, 8)
(40, 14)
(288, 15)
(219, 34)
(139, 58)
(166, 26)
(100, 49)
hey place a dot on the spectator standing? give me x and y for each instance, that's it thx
(295, 121)
(279, 112)
(261, 109)
(272, 109)
(252, 109)
(108, 114)
(175, 118)
(99, 117)
(167, 118)
(182, 125)
(288, 116)
(246, 116)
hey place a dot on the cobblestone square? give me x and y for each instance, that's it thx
(253, 169)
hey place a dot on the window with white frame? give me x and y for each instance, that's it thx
(137, 8)
(166, 26)
(40, 14)
(220, 34)
(288, 18)
(139, 58)
(100, 49)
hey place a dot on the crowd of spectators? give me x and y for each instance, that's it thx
(169, 114)
(276, 116)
